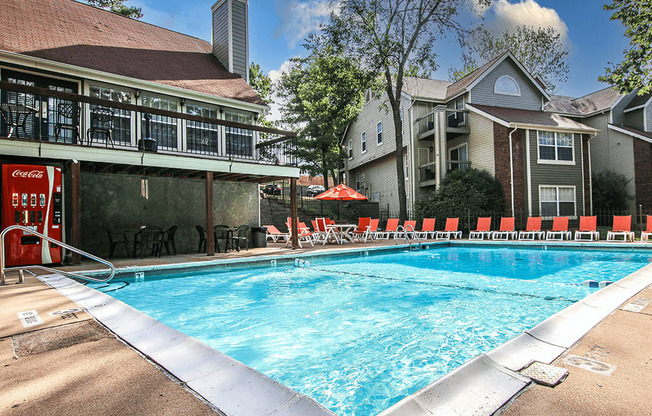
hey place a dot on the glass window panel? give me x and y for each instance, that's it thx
(506, 85)
(202, 137)
(548, 209)
(163, 129)
(567, 194)
(548, 194)
(565, 153)
(121, 122)
(546, 153)
(546, 138)
(564, 139)
(567, 209)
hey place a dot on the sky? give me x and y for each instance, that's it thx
(277, 29)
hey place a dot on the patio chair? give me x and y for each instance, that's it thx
(532, 230)
(588, 227)
(427, 229)
(67, 119)
(101, 124)
(148, 238)
(622, 228)
(113, 242)
(363, 225)
(303, 234)
(507, 230)
(559, 230)
(450, 230)
(202, 238)
(168, 239)
(482, 229)
(223, 235)
(409, 228)
(275, 235)
(645, 235)
(390, 229)
(372, 230)
(239, 236)
(321, 231)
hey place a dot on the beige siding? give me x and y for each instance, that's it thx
(379, 182)
(481, 143)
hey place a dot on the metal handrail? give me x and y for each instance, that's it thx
(20, 269)
(408, 240)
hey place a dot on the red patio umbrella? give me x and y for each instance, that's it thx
(341, 192)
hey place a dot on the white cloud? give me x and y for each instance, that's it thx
(275, 76)
(507, 16)
(298, 18)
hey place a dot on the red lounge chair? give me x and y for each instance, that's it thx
(483, 228)
(427, 228)
(588, 227)
(450, 231)
(372, 230)
(532, 230)
(622, 228)
(275, 235)
(409, 228)
(559, 230)
(645, 235)
(363, 225)
(507, 229)
(304, 234)
(390, 229)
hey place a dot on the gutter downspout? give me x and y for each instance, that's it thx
(511, 168)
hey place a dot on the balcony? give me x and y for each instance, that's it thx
(456, 123)
(427, 174)
(82, 123)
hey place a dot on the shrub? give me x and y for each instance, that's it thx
(462, 191)
(610, 191)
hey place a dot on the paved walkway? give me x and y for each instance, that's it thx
(69, 364)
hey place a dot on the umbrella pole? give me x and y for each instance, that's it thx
(339, 210)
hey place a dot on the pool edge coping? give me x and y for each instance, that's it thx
(497, 384)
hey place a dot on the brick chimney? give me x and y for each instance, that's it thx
(231, 35)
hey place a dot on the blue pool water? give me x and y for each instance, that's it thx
(359, 334)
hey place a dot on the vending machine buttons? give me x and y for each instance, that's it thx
(24, 200)
(33, 200)
(25, 217)
(14, 199)
(17, 217)
(39, 216)
(32, 217)
(56, 208)
(42, 200)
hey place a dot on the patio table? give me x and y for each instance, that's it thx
(12, 114)
(341, 232)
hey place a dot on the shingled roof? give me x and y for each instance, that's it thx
(81, 35)
(512, 116)
(592, 103)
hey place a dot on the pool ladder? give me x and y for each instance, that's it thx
(23, 269)
(408, 240)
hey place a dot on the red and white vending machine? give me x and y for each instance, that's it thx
(31, 197)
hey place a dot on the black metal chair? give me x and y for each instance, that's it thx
(168, 239)
(223, 237)
(239, 236)
(67, 119)
(101, 123)
(113, 243)
(150, 238)
(202, 239)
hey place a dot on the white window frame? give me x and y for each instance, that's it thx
(363, 142)
(497, 91)
(556, 160)
(134, 122)
(379, 134)
(179, 125)
(450, 150)
(557, 187)
(349, 148)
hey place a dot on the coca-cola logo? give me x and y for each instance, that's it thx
(34, 174)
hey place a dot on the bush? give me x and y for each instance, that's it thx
(610, 191)
(462, 191)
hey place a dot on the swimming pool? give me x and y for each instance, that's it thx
(358, 334)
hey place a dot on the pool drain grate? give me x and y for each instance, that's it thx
(545, 374)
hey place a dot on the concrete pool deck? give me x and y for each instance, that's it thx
(82, 368)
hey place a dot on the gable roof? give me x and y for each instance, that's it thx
(469, 81)
(589, 104)
(511, 117)
(84, 36)
(638, 101)
(432, 89)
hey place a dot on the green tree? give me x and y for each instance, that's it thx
(388, 38)
(461, 191)
(635, 71)
(610, 191)
(540, 50)
(262, 84)
(118, 6)
(324, 93)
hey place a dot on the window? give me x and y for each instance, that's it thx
(360, 182)
(202, 137)
(121, 123)
(163, 129)
(458, 154)
(239, 142)
(407, 167)
(379, 130)
(557, 201)
(350, 149)
(555, 146)
(363, 141)
(506, 85)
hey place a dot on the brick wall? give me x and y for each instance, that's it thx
(643, 169)
(503, 174)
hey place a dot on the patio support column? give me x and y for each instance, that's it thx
(210, 235)
(75, 195)
(294, 214)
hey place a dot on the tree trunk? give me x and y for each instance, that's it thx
(324, 168)
(395, 103)
(336, 180)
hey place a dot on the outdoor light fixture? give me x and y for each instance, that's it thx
(144, 187)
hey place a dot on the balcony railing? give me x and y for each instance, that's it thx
(44, 115)
(455, 119)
